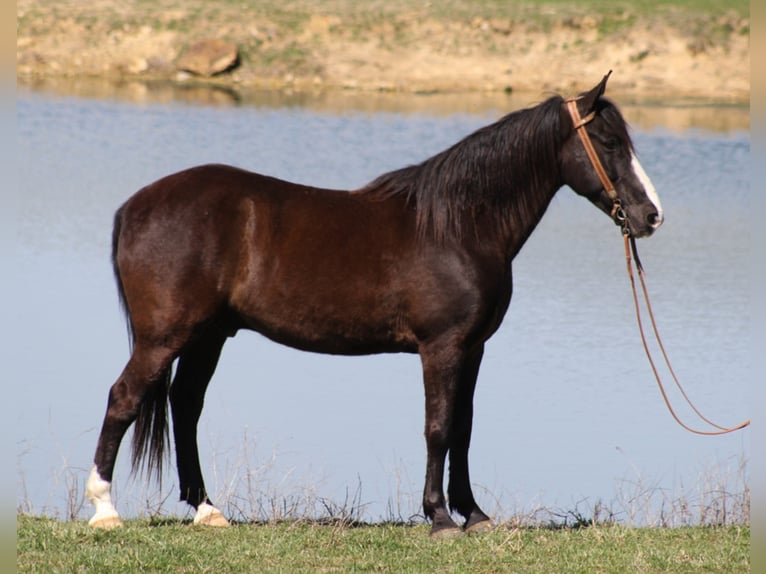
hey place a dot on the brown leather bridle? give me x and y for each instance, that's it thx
(619, 217)
(617, 213)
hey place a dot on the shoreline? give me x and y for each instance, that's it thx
(311, 47)
(677, 115)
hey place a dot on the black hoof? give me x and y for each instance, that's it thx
(480, 527)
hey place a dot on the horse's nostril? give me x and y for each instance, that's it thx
(654, 219)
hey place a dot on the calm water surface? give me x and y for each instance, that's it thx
(567, 412)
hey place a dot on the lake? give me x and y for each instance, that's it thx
(568, 415)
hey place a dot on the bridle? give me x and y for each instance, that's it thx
(617, 213)
(619, 217)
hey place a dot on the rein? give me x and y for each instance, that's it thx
(619, 217)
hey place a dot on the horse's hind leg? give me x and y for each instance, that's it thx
(196, 365)
(459, 489)
(147, 368)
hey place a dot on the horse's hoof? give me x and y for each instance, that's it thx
(480, 527)
(208, 515)
(106, 522)
(215, 519)
(446, 533)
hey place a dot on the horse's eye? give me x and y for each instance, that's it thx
(612, 144)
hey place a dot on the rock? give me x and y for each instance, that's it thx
(137, 65)
(208, 57)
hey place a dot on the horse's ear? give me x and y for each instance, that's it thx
(587, 101)
(586, 104)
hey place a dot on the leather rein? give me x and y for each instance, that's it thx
(619, 217)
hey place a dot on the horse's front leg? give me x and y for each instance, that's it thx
(441, 376)
(460, 494)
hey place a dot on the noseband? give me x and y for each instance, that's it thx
(617, 213)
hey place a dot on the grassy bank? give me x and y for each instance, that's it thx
(676, 47)
(46, 545)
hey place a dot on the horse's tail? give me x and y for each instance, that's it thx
(150, 433)
(116, 229)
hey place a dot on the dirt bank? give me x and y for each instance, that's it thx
(313, 45)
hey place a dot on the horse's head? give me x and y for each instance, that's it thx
(608, 174)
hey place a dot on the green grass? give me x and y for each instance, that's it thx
(46, 545)
(291, 15)
(520, 9)
(284, 42)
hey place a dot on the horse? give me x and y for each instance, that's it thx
(416, 261)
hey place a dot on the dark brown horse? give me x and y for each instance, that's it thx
(417, 261)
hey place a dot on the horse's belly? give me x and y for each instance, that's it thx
(339, 324)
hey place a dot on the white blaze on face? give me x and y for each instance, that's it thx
(651, 193)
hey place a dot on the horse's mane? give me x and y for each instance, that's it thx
(506, 170)
(500, 166)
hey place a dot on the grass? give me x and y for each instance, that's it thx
(46, 545)
(706, 530)
(487, 8)
(288, 18)
(251, 489)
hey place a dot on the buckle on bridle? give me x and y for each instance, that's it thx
(619, 217)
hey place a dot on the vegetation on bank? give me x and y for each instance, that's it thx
(46, 545)
(442, 45)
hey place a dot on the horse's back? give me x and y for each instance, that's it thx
(200, 207)
(193, 214)
(297, 263)
(203, 186)
(173, 242)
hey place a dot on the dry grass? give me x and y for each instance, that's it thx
(673, 48)
(250, 489)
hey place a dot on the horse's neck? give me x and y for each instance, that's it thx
(521, 233)
(510, 225)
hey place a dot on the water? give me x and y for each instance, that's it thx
(567, 412)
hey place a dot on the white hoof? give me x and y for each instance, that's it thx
(208, 515)
(98, 492)
(106, 522)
